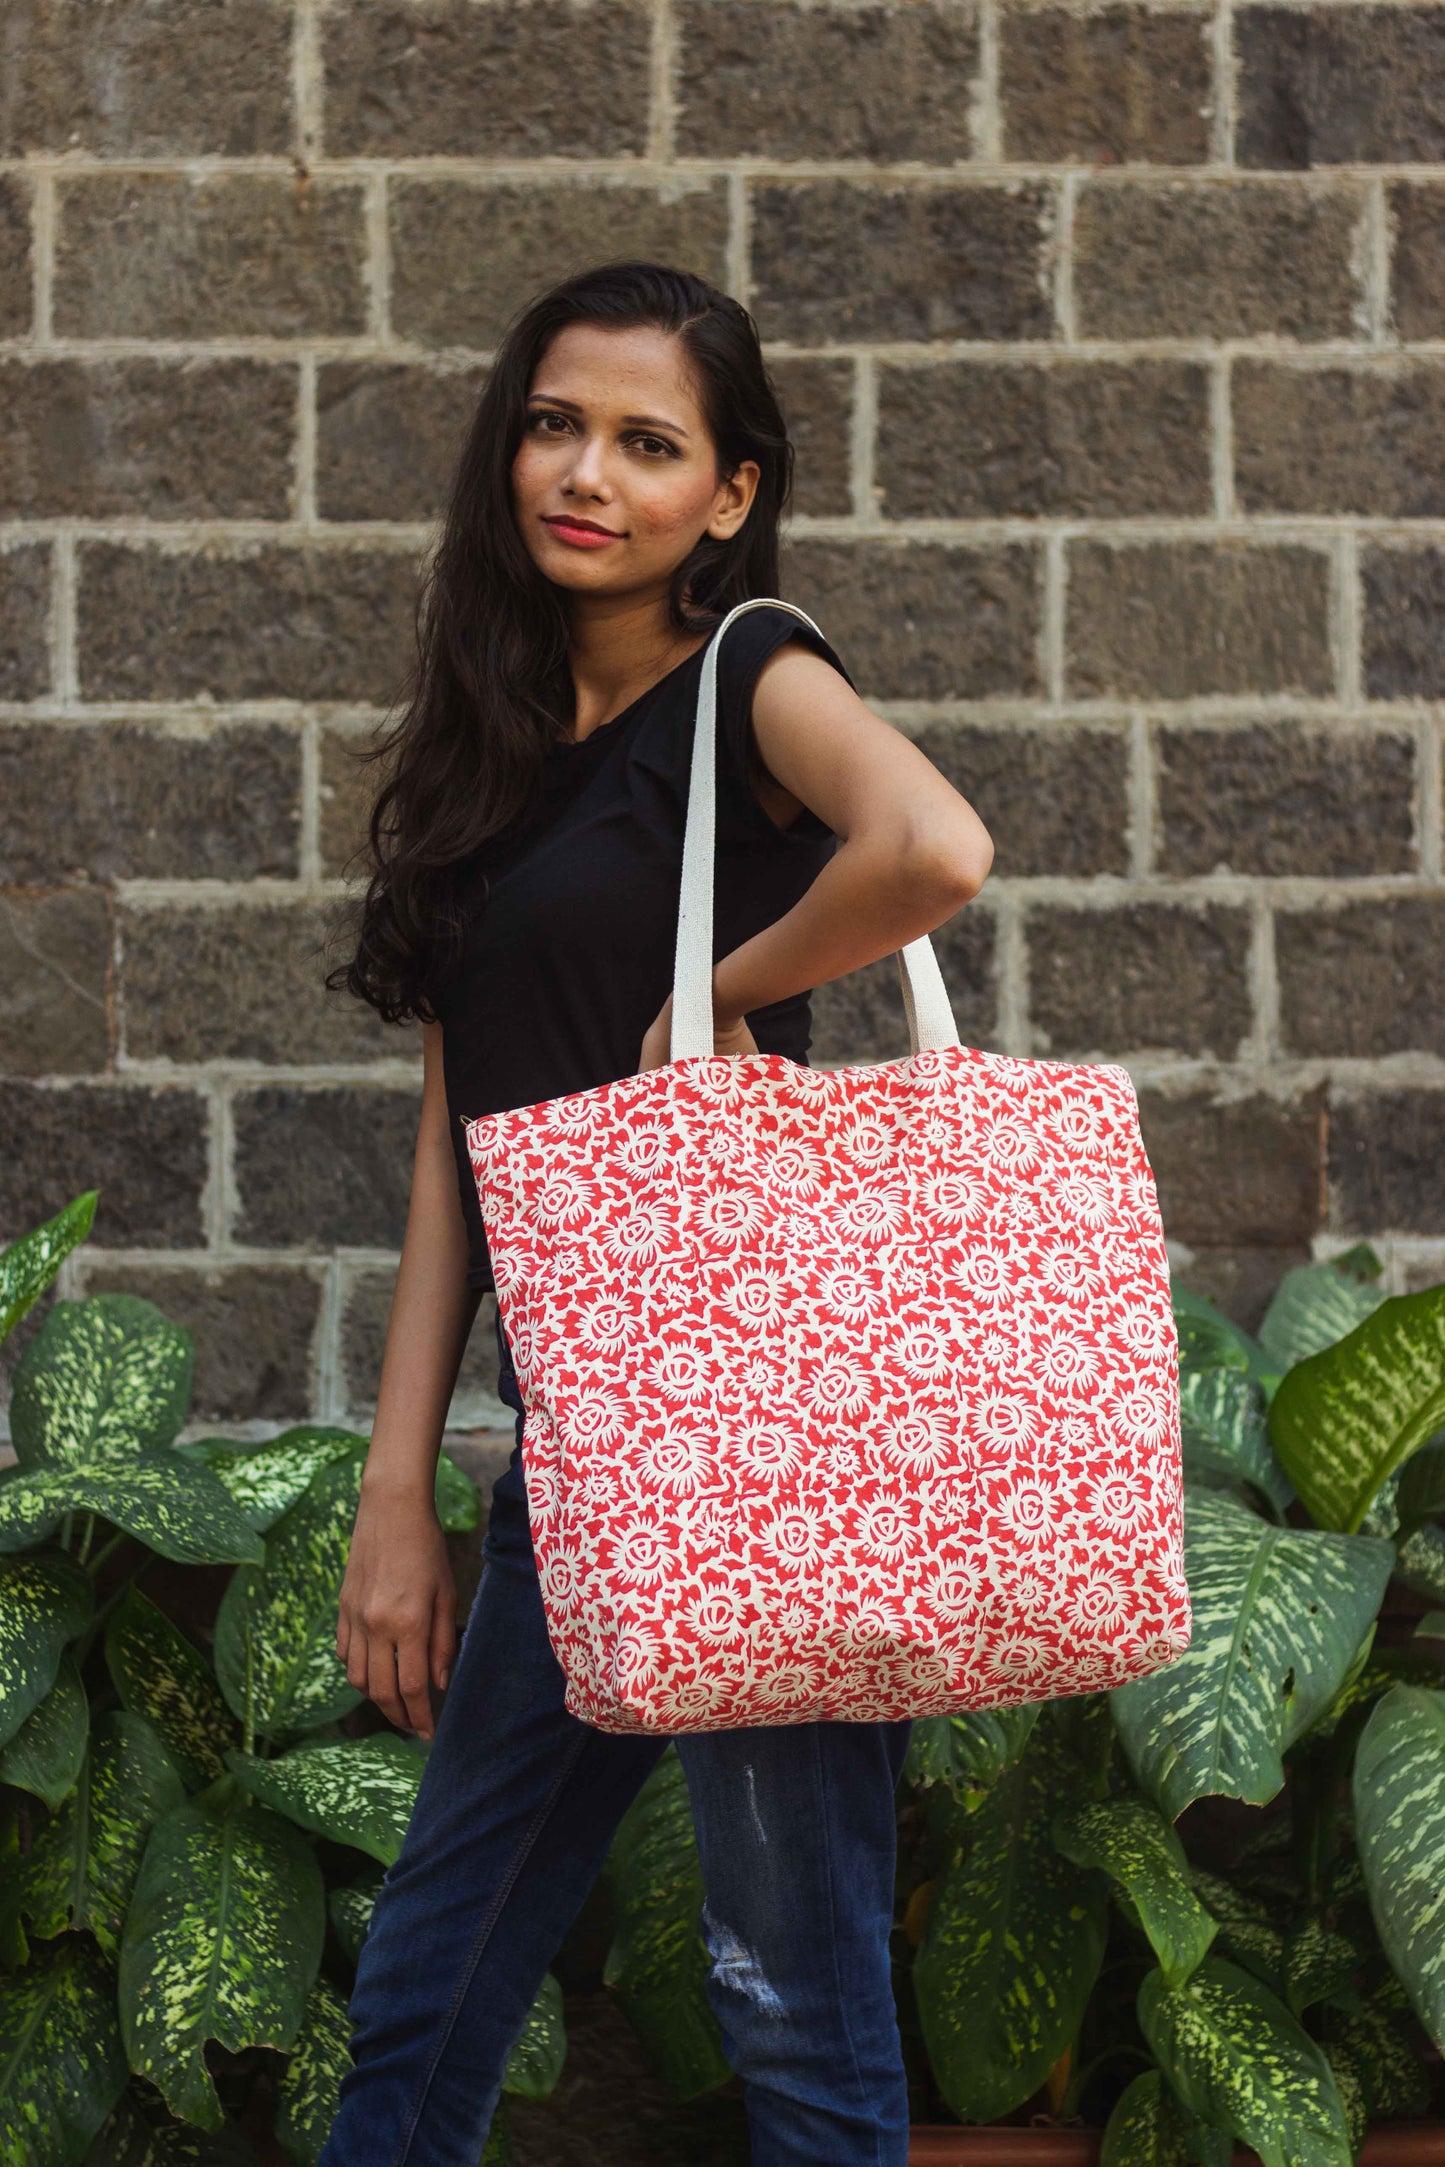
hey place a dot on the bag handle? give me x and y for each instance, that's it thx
(925, 996)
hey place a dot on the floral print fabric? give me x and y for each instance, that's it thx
(850, 1394)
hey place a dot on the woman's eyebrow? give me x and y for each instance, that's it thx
(642, 421)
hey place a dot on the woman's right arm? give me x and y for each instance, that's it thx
(396, 1628)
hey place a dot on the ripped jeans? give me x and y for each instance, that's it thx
(518, 1805)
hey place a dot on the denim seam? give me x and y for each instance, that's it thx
(484, 1930)
(833, 1934)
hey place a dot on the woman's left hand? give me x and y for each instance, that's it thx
(657, 1045)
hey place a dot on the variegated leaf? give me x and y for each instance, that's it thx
(81, 1868)
(102, 1380)
(174, 1506)
(458, 1503)
(657, 1964)
(266, 1479)
(535, 2062)
(1343, 1420)
(222, 1941)
(62, 2066)
(1147, 2127)
(1208, 1339)
(1399, 1796)
(1225, 1432)
(1249, 1930)
(1315, 1305)
(1128, 1840)
(134, 2138)
(966, 1754)
(45, 1602)
(1013, 1943)
(1420, 1563)
(350, 1909)
(276, 1627)
(160, 1675)
(1240, 2061)
(29, 1265)
(45, 1754)
(1350, 2084)
(1317, 1963)
(307, 2092)
(1380, 2035)
(360, 1791)
(499, 2150)
(1278, 1613)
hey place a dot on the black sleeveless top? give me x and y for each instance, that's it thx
(572, 910)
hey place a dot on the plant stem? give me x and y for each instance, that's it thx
(86, 1538)
(65, 1527)
(105, 1551)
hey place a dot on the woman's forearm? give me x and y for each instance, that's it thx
(432, 1312)
(867, 901)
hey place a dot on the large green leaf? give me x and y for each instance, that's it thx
(222, 1941)
(1240, 2061)
(266, 1479)
(45, 1754)
(1225, 1429)
(176, 1507)
(458, 1501)
(62, 2066)
(1315, 1305)
(81, 1868)
(1126, 1838)
(1012, 1947)
(276, 1627)
(1208, 1339)
(966, 1754)
(1344, 1419)
(45, 1602)
(1380, 2035)
(103, 1379)
(1399, 1797)
(1147, 2127)
(1318, 1962)
(359, 1791)
(29, 1265)
(350, 1908)
(307, 2092)
(1278, 1613)
(658, 1962)
(160, 1675)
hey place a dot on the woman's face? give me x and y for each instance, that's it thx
(615, 436)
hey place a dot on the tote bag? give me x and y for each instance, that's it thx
(851, 1393)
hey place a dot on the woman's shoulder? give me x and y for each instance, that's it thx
(759, 632)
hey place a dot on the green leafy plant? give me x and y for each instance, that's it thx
(1209, 1907)
(193, 1822)
(1201, 1910)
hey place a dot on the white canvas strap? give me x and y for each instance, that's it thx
(925, 997)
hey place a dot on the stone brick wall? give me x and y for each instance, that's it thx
(1113, 341)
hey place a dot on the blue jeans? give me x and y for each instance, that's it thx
(518, 1805)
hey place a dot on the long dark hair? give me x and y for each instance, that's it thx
(491, 687)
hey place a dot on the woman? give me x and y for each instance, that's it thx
(619, 491)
